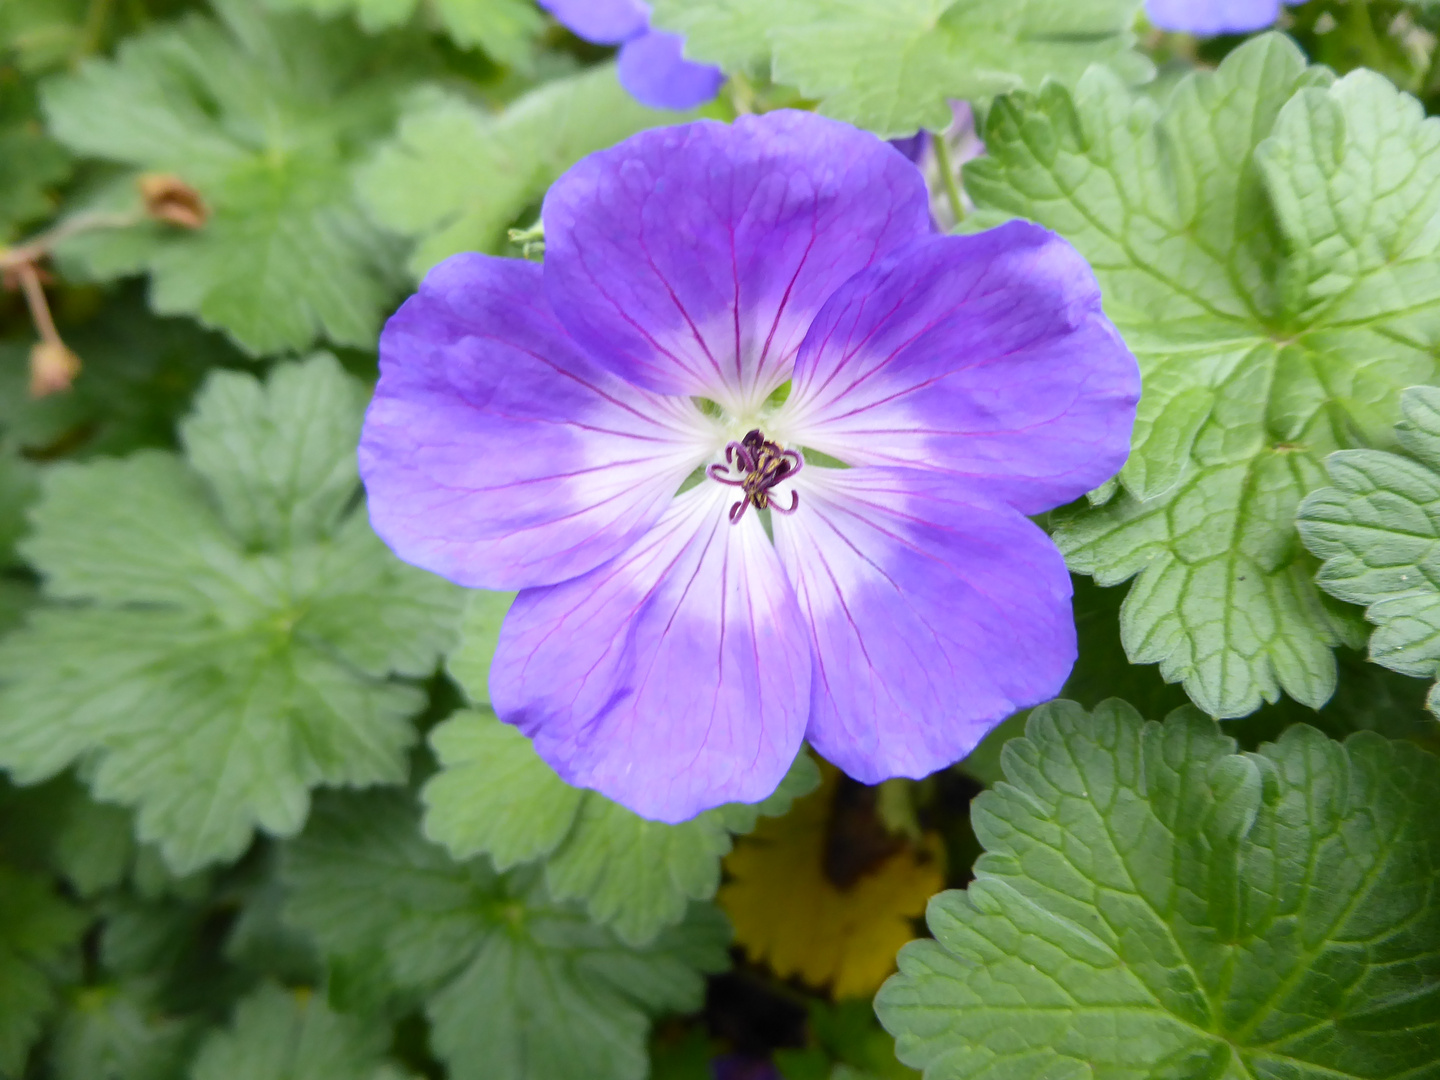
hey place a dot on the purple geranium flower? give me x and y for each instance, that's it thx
(604, 431)
(652, 65)
(1208, 17)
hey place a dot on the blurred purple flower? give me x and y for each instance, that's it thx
(533, 425)
(962, 143)
(651, 66)
(1209, 17)
(741, 1067)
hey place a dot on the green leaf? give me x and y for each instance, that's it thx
(505, 29)
(1378, 530)
(469, 663)
(140, 372)
(894, 67)
(1263, 245)
(292, 1034)
(1153, 905)
(57, 827)
(41, 34)
(37, 930)
(117, 1033)
(30, 162)
(266, 119)
(231, 625)
(494, 795)
(516, 984)
(456, 177)
(18, 486)
(847, 1034)
(92, 847)
(15, 600)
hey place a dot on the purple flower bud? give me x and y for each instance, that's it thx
(741, 1067)
(652, 65)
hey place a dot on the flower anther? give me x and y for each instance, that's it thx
(759, 465)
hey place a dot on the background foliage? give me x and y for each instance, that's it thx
(257, 820)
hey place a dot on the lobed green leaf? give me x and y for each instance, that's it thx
(506, 29)
(295, 1035)
(893, 68)
(515, 983)
(37, 929)
(1153, 904)
(456, 177)
(231, 623)
(266, 119)
(1378, 532)
(494, 795)
(1265, 245)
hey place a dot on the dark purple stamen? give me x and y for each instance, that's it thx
(761, 464)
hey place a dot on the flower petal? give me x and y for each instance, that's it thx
(986, 356)
(602, 22)
(1207, 17)
(936, 614)
(672, 679)
(495, 453)
(691, 259)
(653, 69)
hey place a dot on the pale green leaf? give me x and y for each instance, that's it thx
(469, 664)
(232, 626)
(1267, 245)
(457, 176)
(516, 984)
(894, 67)
(266, 119)
(1154, 906)
(1378, 530)
(280, 457)
(494, 795)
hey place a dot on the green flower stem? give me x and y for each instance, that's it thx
(1429, 90)
(1362, 27)
(947, 177)
(94, 33)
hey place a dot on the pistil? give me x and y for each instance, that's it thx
(756, 465)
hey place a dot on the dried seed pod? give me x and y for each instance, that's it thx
(53, 367)
(171, 200)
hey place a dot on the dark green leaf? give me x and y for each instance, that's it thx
(516, 984)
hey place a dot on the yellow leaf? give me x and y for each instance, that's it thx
(789, 914)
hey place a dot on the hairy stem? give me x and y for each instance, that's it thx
(40, 245)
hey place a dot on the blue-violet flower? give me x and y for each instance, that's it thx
(652, 66)
(1209, 17)
(604, 432)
